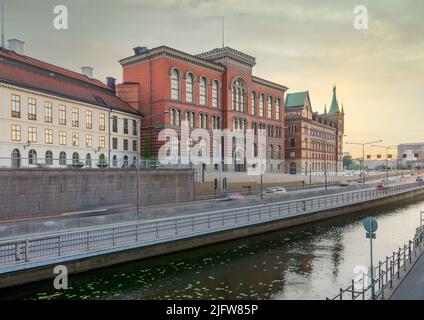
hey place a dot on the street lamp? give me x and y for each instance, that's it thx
(387, 158)
(138, 154)
(363, 144)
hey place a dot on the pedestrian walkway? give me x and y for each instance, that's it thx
(412, 287)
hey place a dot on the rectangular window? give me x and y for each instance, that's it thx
(88, 120)
(115, 143)
(134, 145)
(16, 132)
(62, 115)
(102, 122)
(16, 106)
(32, 109)
(75, 139)
(125, 126)
(134, 124)
(32, 134)
(125, 144)
(102, 142)
(88, 141)
(115, 124)
(48, 112)
(75, 117)
(49, 136)
(62, 138)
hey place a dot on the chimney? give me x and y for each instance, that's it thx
(111, 82)
(140, 50)
(16, 45)
(87, 71)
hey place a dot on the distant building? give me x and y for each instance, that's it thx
(55, 117)
(411, 153)
(212, 90)
(314, 142)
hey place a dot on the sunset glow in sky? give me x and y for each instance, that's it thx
(302, 44)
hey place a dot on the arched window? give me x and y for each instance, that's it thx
(189, 87)
(269, 111)
(239, 95)
(261, 105)
(202, 93)
(292, 143)
(115, 161)
(172, 116)
(253, 103)
(88, 160)
(271, 151)
(134, 162)
(49, 158)
(62, 159)
(178, 118)
(125, 162)
(16, 158)
(32, 157)
(175, 85)
(215, 94)
(75, 158)
(278, 109)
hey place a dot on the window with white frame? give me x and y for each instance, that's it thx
(62, 115)
(261, 105)
(15, 133)
(203, 92)
(269, 110)
(62, 138)
(189, 87)
(48, 112)
(48, 135)
(175, 84)
(32, 109)
(16, 106)
(32, 134)
(215, 94)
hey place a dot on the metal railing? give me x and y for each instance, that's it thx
(385, 273)
(118, 236)
(83, 163)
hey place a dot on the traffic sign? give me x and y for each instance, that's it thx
(370, 225)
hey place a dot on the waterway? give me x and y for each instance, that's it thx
(306, 262)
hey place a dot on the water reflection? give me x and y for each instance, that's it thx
(306, 262)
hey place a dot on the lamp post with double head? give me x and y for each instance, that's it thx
(363, 144)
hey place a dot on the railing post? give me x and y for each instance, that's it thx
(410, 251)
(88, 240)
(26, 250)
(59, 246)
(193, 224)
(353, 289)
(341, 294)
(113, 236)
(17, 251)
(136, 233)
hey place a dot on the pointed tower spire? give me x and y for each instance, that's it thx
(325, 109)
(334, 108)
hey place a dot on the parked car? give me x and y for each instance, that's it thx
(346, 183)
(419, 179)
(380, 186)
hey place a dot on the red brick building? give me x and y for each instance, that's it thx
(211, 90)
(314, 142)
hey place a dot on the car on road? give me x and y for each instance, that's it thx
(346, 183)
(419, 179)
(279, 190)
(380, 186)
(231, 197)
(269, 190)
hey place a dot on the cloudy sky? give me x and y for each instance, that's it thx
(303, 44)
